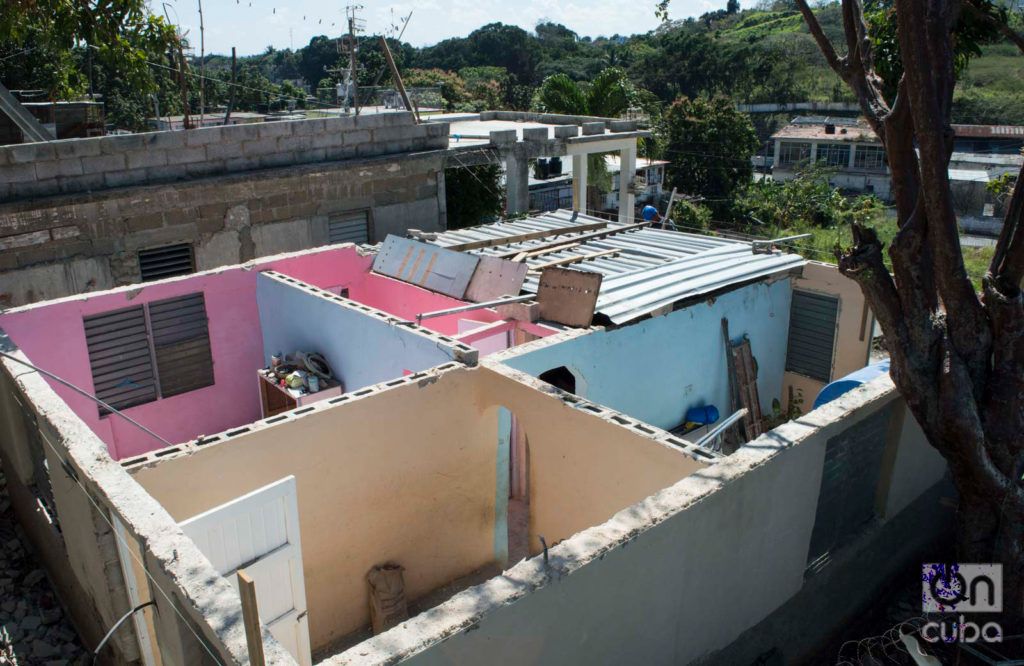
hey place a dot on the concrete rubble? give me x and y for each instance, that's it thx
(33, 627)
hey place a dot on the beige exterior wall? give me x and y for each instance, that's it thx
(853, 329)
(681, 574)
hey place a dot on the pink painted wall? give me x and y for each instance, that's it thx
(53, 337)
(406, 301)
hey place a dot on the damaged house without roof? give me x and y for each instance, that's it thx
(519, 469)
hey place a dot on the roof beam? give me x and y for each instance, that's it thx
(576, 239)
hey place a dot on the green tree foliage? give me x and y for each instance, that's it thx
(114, 48)
(473, 195)
(315, 59)
(122, 34)
(453, 87)
(808, 199)
(709, 145)
(609, 95)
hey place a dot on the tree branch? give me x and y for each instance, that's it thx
(1007, 267)
(837, 64)
(918, 30)
(1009, 33)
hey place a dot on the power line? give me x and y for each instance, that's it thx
(101, 510)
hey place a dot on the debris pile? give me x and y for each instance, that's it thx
(33, 627)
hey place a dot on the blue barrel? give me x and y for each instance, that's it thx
(704, 415)
(850, 382)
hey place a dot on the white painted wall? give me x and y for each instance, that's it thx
(361, 348)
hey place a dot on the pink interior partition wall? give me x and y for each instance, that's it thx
(406, 301)
(53, 337)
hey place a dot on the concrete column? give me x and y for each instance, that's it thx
(814, 154)
(579, 183)
(517, 184)
(775, 155)
(853, 154)
(627, 172)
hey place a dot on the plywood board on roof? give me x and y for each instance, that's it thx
(426, 265)
(495, 278)
(568, 296)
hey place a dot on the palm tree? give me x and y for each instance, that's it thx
(609, 95)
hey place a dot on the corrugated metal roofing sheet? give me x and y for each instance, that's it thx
(652, 268)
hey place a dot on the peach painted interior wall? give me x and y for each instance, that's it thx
(412, 475)
(583, 468)
(404, 475)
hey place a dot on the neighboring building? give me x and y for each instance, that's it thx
(551, 184)
(65, 120)
(209, 119)
(857, 162)
(849, 147)
(988, 139)
(535, 482)
(89, 214)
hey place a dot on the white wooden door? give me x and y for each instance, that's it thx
(259, 532)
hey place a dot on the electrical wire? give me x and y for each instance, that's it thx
(103, 513)
(85, 393)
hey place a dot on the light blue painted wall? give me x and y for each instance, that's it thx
(657, 369)
(362, 349)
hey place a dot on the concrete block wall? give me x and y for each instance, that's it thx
(98, 163)
(68, 244)
(195, 622)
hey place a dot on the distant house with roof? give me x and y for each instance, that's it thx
(856, 159)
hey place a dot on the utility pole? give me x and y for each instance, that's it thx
(202, 67)
(354, 23)
(234, 76)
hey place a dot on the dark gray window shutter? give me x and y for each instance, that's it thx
(349, 228)
(164, 262)
(120, 357)
(812, 333)
(181, 344)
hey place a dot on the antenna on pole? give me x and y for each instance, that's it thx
(351, 44)
(202, 67)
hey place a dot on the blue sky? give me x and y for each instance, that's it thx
(252, 25)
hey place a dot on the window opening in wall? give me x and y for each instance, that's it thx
(812, 331)
(869, 157)
(794, 153)
(142, 353)
(560, 377)
(168, 261)
(834, 155)
(352, 227)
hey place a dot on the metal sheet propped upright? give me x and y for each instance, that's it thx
(426, 265)
(568, 296)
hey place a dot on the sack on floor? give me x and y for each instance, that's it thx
(387, 596)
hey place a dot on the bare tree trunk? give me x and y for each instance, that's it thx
(957, 356)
